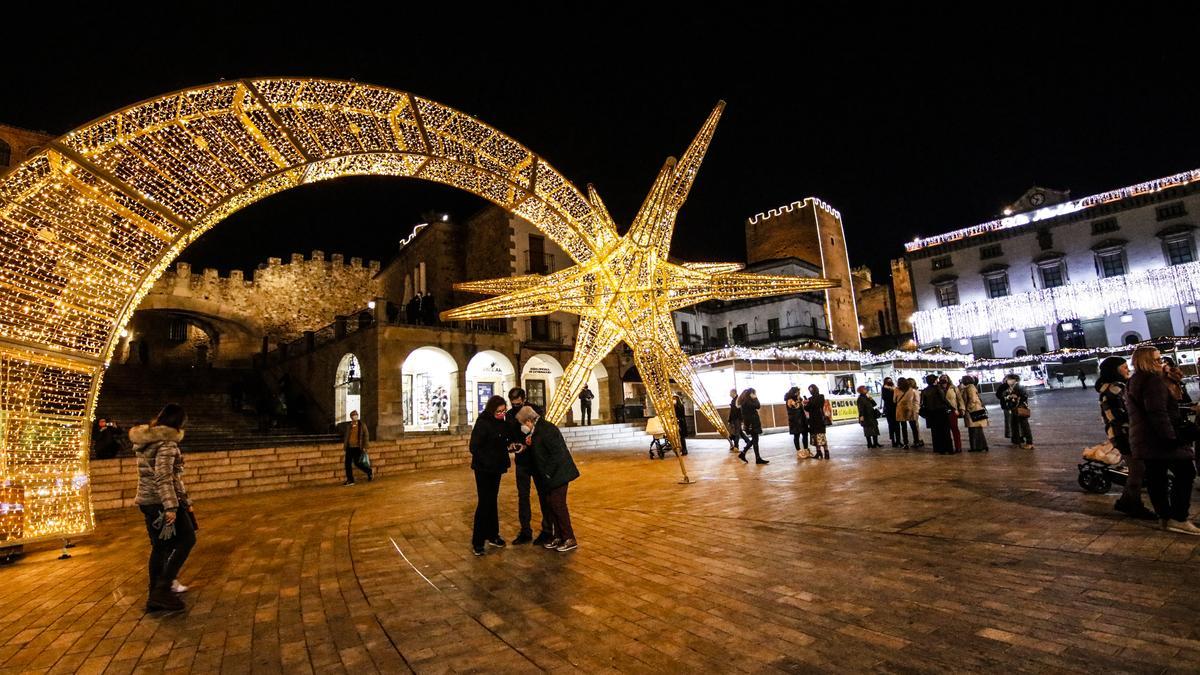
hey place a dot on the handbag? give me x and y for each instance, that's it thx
(978, 415)
(1022, 410)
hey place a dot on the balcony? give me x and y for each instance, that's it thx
(538, 263)
(543, 331)
(694, 344)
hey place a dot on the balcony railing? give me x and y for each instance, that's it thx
(694, 344)
(549, 332)
(538, 263)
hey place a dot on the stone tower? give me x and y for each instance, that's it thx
(810, 230)
(902, 287)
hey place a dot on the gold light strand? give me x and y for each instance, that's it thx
(627, 292)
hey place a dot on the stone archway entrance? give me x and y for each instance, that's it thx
(88, 223)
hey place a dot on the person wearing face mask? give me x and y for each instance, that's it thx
(526, 472)
(556, 469)
(491, 440)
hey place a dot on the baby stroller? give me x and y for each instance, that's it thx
(659, 443)
(1101, 467)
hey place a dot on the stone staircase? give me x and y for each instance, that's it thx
(604, 436)
(133, 395)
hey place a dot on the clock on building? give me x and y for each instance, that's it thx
(1037, 198)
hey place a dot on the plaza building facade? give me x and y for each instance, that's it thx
(1106, 270)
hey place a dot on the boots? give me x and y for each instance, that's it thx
(163, 600)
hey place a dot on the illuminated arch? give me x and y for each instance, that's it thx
(89, 222)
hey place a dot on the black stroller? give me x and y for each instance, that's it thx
(1101, 467)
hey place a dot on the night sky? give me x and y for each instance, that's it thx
(908, 125)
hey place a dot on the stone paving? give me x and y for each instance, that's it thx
(880, 560)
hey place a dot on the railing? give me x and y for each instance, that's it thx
(544, 331)
(693, 344)
(538, 263)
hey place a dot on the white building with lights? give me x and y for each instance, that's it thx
(1105, 270)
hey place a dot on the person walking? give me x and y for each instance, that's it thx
(975, 414)
(681, 420)
(908, 407)
(797, 422)
(936, 410)
(736, 431)
(1111, 384)
(491, 441)
(751, 424)
(585, 405)
(819, 418)
(868, 417)
(1082, 380)
(355, 439)
(1159, 436)
(1018, 406)
(889, 394)
(954, 398)
(1002, 396)
(556, 469)
(165, 505)
(526, 472)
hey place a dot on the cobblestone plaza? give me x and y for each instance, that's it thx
(883, 560)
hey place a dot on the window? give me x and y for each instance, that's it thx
(1110, 263)
(686, 330)
(704, 334)
(1169, 211)
(947, 294)
(992, 251)
(722, 336)
(1105, 226)
(1052, 275)
(1045, 239)
(773, 329)
(5, 153)
(1180, 250)
(942, 262)
(177, 331)
(739, 333)
(997, 284)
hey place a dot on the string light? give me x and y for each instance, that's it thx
(1157, 288)
(812, 351)
(628, 291)
(90, 222)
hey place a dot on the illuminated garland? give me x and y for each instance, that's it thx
(809, 352)
(933, 355)
(1074, 354)
(1150, 289)
(1056, 210)
(627, 293)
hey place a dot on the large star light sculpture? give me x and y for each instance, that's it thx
(628, 290)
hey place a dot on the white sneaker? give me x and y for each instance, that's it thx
(1182, 527)
(177, 587)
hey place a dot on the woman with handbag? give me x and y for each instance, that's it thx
(1018, 405)
(751, 424)
(162, 497)
(907, 412)
(491, 441)
(818, 419)
(1110, 385)
(977, 418)
(868, 417)
(1160, 437)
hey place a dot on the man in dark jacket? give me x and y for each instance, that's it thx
(889, 410)
(526, 469)
(937, 415)
(681, 418)
(735, 423)
(556, 469)
(1002, 395)
(585, 405)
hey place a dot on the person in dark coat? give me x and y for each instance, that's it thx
(556, 469)
(355, 439)
(797, 422)
(1018, 402)
(818, 420)
(1110, 385)
(526, 472)
(585, 405)
(491, 441)
(888, 394)
(1160, 437)
(868, 417)
(681, 419)
(107, 443)
(1002, 395)
(429, 315)
(937, 415)
(736, 431)
(751, 424)
(412, 310)
(1082, 380)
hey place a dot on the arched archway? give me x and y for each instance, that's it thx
(489, 373)
(347, 388)
(429, 380)
(90, 221)
(539, 377)
(598, 383)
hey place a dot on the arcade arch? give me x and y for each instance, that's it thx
(429, 384)
(489, 373)
(539, 378)
(347, 389)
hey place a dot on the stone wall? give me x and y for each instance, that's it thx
(22, 144)
(222, 474)
(281, 299)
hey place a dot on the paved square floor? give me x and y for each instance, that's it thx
(880, 560)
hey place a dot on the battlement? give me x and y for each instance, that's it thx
(315, 260)
(788, 208)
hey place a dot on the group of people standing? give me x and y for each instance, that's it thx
(541, 456)
(942, 403)
(421, 310)
(1146, 419)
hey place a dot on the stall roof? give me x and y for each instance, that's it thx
(808, 352)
